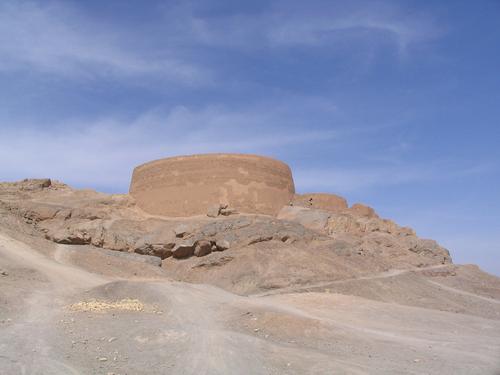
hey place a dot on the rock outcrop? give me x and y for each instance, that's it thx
(77, 217)
(312, 236)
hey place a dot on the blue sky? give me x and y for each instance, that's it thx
(394, 104)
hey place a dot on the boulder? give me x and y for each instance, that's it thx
(159, 243)
(429, 249)
(203, 248)
(214, 210)
(376, 224)
(362, 210)
(226, 211)
(184, 249)
(122, 234)
(35, 212)
(77, 235)
(182, 230)
(35, 183)
(89, 213)
(310, 218)
(343, 223)
(148, 259)
(222, 245)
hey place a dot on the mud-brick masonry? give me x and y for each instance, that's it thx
(189, 185)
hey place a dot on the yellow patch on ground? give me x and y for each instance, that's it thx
(126, 304)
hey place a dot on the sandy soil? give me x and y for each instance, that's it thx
(390, 323)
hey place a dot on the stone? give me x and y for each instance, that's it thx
(242, 231)
(79, 234)
(228, 211)
(202, 248)
(181, 231)
(122, 234)
(41, 212)
(158, 243)
(35, 183)
(87, 213)
(309, 218)
(222, 245)
(214, 210)
(429, 248)
(359, 209)
(147, 259)
(160, 250)
(184, 249)
(188, 185)
(343, 223)
(376, 224)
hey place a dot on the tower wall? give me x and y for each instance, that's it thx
(189, 185)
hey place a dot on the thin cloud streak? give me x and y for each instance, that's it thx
(347, 180)
(53, 39)
(286, 26)
(103, 153)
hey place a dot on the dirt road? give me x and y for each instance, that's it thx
(47, 326)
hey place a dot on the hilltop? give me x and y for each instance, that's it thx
(93, 283)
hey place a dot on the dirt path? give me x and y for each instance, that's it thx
(42, 304)
(325, 284)
(201, 329)
(64, 278)
(463, 292)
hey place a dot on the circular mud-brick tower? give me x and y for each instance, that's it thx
(189, 185)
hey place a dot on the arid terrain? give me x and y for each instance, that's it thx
(91, 284)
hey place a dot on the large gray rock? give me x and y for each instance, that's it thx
(243, 231)
(35, 183)
(182, 230)
(158, 243)
(184, 249)
(202, 248)
(310, 218)
(429, 249)
(214, 210)
(148, 259)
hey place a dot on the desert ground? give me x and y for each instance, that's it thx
(266, 306)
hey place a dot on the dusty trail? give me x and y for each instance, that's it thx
(201, 329)
(209, 348)
(64, 278)
(325, 284)
(463, 292)
(43, 302)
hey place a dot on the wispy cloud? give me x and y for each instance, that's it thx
(321, 29)
(53, 38)
(102, 153)
(318, 24)
(347, 180)
(56, 38)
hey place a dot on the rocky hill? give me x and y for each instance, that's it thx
(314, 239)
(93, 283)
